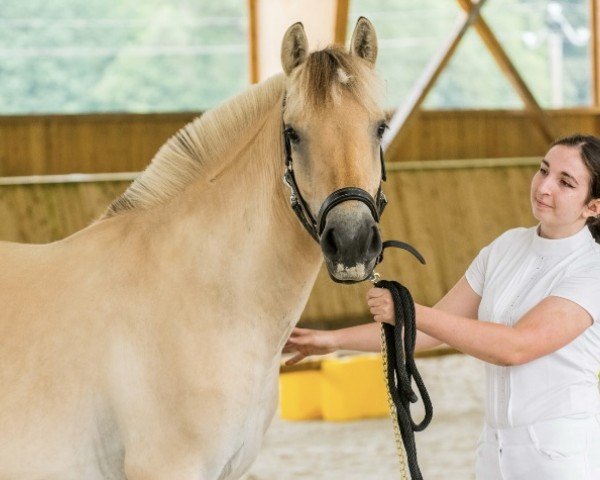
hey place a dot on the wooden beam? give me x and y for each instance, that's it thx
(341, 22)
(403, 115)
(459, 164)
(595, 50)
(391, 167)
(253, 65)
(77, 178)
(538, 115)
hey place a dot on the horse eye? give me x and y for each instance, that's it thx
(292, 135)
(381, 129)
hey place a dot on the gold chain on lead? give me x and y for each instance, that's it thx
(404, 475)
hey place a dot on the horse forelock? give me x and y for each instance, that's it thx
(327, 74)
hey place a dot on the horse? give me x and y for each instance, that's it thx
(147, 345)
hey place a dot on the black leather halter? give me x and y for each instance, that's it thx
(315, 226)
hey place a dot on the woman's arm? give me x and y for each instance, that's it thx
(547, 327)
(460, 300)
(363, 338)
(306, 341)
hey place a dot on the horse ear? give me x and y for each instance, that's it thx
(294, 47)
(364, 41)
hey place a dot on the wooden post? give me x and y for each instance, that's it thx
(253, 66)
(595, 50)
(269, 19)
(341, 21)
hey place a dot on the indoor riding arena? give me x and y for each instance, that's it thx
(474, 95)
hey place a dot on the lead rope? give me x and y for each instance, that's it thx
(397, 351)
(393, 413)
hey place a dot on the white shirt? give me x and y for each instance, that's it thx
(512, 275)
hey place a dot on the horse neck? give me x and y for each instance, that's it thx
(240, 228)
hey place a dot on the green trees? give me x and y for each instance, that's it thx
(69, 56)
(120, 55)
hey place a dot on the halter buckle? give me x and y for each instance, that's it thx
(374, 278)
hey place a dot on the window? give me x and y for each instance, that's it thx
(77, 56)
(548, 42)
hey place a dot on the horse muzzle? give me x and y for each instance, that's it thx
(351, 242)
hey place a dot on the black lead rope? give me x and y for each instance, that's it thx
(400, 346)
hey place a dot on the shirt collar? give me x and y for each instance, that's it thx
(561, 246)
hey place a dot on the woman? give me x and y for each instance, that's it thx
(528, 306)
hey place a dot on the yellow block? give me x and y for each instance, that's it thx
(300, 395)
(353, 388)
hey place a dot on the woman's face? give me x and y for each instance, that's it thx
(559, 191)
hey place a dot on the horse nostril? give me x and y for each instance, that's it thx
(374, 242)
(329, 242)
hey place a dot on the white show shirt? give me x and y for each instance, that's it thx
(512, 275)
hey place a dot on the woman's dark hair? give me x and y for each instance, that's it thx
(589, 148)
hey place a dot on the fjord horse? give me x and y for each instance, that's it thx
(147, 346)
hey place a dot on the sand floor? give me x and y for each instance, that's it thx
(365, 449)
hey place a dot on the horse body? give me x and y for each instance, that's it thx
(147, 346)
(52, 396)
(129, 328)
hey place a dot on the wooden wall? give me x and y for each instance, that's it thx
(44, 145)
(486, 133)
(42, 213)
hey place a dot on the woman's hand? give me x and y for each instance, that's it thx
(306, 341)
(381, 305)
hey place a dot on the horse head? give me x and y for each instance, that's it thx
(332, 129)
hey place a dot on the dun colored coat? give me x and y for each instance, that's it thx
(147, 345)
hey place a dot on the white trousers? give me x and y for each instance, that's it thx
(559, 449)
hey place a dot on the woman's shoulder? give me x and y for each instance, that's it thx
(587, 260)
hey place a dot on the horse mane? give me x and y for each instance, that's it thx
(197, 149)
